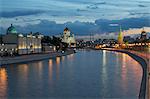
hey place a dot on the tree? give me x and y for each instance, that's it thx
(46, 39)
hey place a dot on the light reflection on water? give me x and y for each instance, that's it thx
(104, 57)
(124, 71)
(84, 74)
(104, 69)
(50, 69)
(3, 82)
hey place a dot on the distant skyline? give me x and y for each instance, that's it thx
(82, 16)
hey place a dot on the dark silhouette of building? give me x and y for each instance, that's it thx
(143, 35)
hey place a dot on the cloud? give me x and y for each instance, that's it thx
(100, 26)
(12, 14)
(52, 28)
(140, 13)
(81, 10)
(142, 5)
(100, 3)
(144, 2)
(125, 23)
(93, 6)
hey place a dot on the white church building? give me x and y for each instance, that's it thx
(69, 38)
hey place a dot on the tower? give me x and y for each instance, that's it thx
(143, 35)
(120, 37)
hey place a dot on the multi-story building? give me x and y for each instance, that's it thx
(17, 43)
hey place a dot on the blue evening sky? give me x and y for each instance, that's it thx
(61, 13)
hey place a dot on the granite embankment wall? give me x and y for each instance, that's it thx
(32, 57)
(143, 63)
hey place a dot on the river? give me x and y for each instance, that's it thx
(85, 74)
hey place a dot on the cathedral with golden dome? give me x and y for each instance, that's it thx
(68, 37)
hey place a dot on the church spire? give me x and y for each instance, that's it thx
(120, 36)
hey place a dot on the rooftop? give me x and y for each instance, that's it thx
(11, 30)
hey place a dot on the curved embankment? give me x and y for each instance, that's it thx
(32, 57)
(142, 62)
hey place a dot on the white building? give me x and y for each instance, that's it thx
(68, 38)
(13, 42)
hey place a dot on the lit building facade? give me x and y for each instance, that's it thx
(13, 42)
(68, 38)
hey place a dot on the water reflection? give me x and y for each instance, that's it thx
(57, 60)
(3, 82)
(57, 67)
(124, 71)
(104, 69)
(63, 58)
(40, 65)
(50, 62)
(86, 74)
(104, 57)
(39, 68)
(70, 57)
(104, 64)
(23, 70)
(130, 66)
(50, 69)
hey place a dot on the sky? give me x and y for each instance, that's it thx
(83, 17)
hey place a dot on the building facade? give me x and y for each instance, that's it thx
(68, 38)
(17, 43)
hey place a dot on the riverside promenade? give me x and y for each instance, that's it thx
(32, 57)
(143, 59)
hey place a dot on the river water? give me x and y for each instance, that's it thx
(84, 75)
